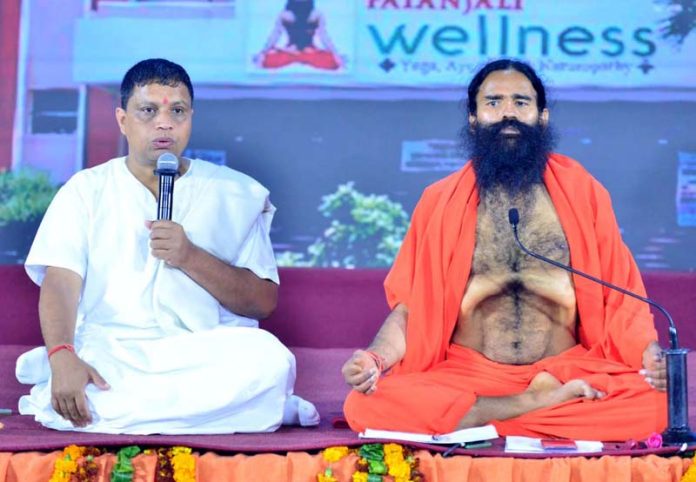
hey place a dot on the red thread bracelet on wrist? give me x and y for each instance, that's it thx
(57, 348)
(378, 359)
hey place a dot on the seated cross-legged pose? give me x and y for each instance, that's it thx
(151, 326)
(481, 332)
(301, 23)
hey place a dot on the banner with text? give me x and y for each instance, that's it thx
(398, 43)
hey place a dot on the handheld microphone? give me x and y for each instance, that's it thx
(167, 169)
(678, 431)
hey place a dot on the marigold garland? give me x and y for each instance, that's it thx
(332, 454)
(175, 464)
(76, 464)
(377, 463)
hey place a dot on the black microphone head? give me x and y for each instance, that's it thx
(167, 163)
(513, 216)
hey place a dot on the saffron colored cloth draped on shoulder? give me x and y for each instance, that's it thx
(435, 384)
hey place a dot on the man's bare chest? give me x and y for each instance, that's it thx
(517, 309)
(497, 253)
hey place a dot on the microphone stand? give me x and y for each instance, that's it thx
(678, 431)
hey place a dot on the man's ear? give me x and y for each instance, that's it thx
(472, 121)
(544, 117)
(121, 119)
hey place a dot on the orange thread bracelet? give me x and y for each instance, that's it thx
(378, 359)
(57, 348)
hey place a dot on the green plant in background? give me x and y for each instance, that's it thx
(291, 259)
(24, 196)
(366, 231)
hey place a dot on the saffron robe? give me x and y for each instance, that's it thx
(435, 384)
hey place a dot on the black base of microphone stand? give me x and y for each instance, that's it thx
(678, 431)
(675, 436)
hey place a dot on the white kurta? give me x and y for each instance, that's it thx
(176, 360)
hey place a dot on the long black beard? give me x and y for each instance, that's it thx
(511, 163)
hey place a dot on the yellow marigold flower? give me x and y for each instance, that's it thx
(400, 470)
(66, 465)
(393, 449)
(334, 454)
(63, 470)
(184, 477)
(183, 462)
(181, 450)
(60, 477)
(393, 454)
(690, 475)
(393, 459)
(360, 476)
(184, 465)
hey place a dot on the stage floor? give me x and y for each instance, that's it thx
(292, 453)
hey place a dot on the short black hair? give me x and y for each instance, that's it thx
(505, 64)
(153, 71)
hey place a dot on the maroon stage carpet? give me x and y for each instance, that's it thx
(318, 379)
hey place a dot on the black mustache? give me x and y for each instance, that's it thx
(496, 128)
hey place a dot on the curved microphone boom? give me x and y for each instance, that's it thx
(678, 431)
(167, 169)
(514, 218)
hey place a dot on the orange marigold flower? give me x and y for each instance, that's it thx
(73, 451)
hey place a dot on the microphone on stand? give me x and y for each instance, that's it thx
(167, 169)
(678, 431)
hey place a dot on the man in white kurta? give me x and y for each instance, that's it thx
(163, 354)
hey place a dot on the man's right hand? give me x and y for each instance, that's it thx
(361, 372)
(70, 376)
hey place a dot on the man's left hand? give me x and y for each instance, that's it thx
(169, 242)
(654, 367)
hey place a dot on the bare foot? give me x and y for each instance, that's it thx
(548, 390)
(543, 391)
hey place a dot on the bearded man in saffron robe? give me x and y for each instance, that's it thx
(482, 333)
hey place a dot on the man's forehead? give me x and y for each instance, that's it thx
(160, 93)
(506, 83)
